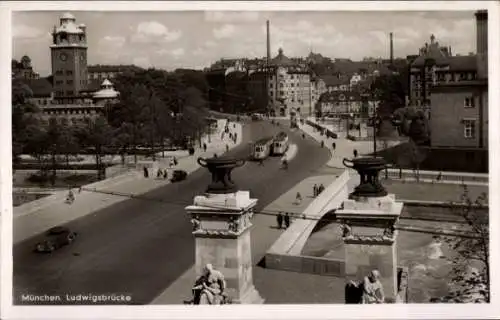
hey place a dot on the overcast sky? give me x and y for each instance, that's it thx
(196, 39)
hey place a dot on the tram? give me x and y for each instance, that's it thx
(280, 144)
(262, 148)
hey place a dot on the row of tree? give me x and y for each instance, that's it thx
(156, 108)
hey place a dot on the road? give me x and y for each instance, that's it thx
(138, 247)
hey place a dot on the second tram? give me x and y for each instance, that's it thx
(280, 144)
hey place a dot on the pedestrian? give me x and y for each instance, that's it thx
(279, 219)
(230, 135)
(204, 147)
(234, 125)
(171, 163)
(355, 152)
(287, 220)
(159, 173)
(298, 198)
(439, 176)
(80, 189)
(303, 136)
(315, 190)
(71, 197)
(334, 145)
(321, 188)
(165, 174)
(215, 155)
(146, 174)
(322, 144)
(175, 161)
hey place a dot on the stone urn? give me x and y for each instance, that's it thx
(221, 168)
(368, 169)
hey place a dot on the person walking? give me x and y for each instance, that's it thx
(355, 152)
(287, 220)
(321, 188)
(315, 190)
(159, 174)
(334, 145)
(279, 219)
(204, 147)
(145, 170)
(175, 161)
(165, 174)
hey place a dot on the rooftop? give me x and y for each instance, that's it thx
(281, 60)
(41, 87)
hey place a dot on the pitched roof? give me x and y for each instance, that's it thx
(331, 81)
(463, 63)
(111, 68)
(41, 87)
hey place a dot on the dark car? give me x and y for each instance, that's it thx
(178, 175)
(55, 238)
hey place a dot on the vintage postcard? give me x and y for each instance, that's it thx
(176, 160)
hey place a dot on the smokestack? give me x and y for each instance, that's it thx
(268, 42)
(391, 48)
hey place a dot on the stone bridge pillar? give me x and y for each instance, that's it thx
(368, 221)
(221, 226)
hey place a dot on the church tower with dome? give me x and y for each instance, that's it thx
(69, 59)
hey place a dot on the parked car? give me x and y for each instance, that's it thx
(178, 175)
(55, 238)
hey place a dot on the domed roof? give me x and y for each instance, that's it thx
(68, 16)
(281, 59)
(107, 91)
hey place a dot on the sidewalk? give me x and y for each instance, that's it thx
(344, 148)
(264, 234)
(37, 216)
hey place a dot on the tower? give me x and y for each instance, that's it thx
(69, 58)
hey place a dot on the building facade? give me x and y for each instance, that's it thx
(459, 100)
(290, 87)
(434, 65)
(69, 59)
(23, 69)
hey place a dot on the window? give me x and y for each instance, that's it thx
(69, 81)
(469, 129)
(59, 72)
(69, 72)
(69, 93)
(270, 85)
(469, 102)
(59, 82)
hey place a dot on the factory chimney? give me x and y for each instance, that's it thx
(391, 48)
(268, 42)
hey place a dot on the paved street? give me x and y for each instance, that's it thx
(140, 247)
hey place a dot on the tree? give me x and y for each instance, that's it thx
(470, 271)
(96, 134)
(413, 123)
(389, 91)
(25, 117)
